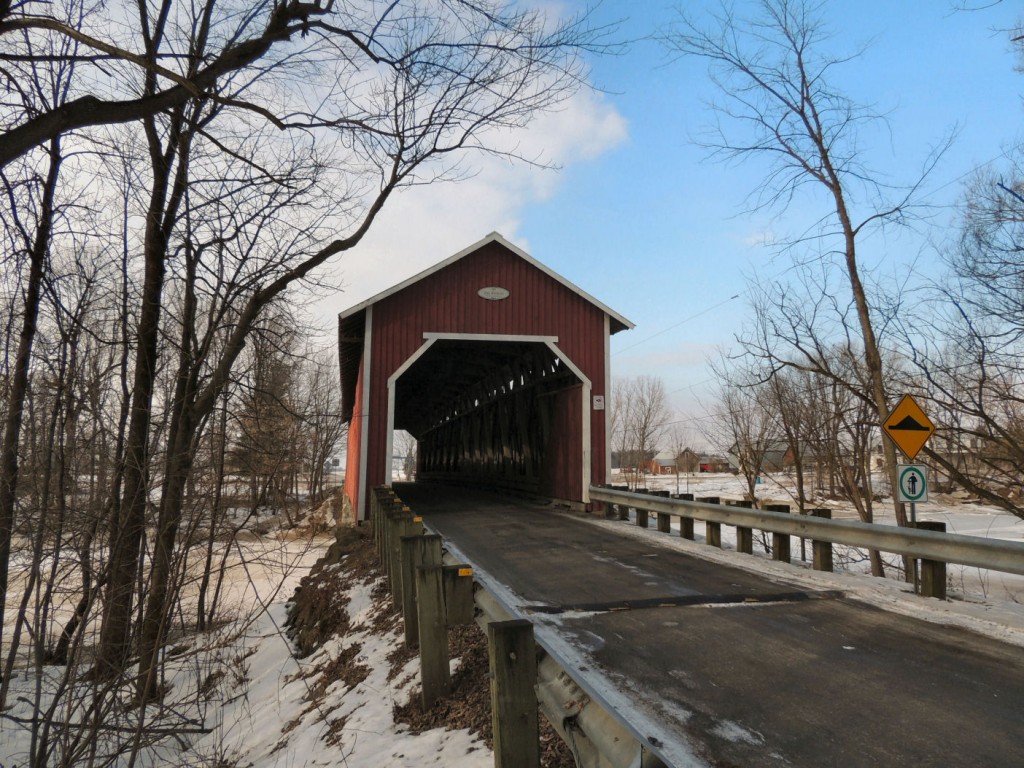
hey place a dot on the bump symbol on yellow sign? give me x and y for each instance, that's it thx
(908, 426)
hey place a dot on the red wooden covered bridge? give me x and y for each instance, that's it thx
(495, 364)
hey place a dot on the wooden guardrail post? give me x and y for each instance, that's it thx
(744, 535)
(664, 520)
(400, 523)
(382, 498)
(611, 509)
(435, 677)
(933, 572)
(780, 541)
(377, 515)
(712, 531)
(622, 509)
(388, 508)
(822, 550)
(641, 514)
(513, 663)
(417, 550)
(459, 608)
(686, 523)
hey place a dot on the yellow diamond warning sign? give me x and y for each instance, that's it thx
(908, 426)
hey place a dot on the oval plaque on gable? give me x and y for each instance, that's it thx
(493, 293)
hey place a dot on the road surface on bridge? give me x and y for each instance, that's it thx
(738, 668)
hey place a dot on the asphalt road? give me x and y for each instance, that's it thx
(743, 670)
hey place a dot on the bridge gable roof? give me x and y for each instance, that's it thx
(618, 322)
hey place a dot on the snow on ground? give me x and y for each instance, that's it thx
(282, 720)
(269, 709)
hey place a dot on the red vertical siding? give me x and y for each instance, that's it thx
(447, 302)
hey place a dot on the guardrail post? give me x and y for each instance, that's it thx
(662, 519)
(513, 662)
(780, 541)
(641, 514)
(744, 535)
(388, 509)
(933, 572)
(712, 531)
(378, 496)
(459, 608)
(822, 550)
(435, 677)
(622, 510)
(378, 525)
(611, 509)
(686, 523)
(417, 550)
(400, 524)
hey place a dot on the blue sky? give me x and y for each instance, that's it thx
(639, 218)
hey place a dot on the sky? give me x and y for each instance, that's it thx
(639, 217)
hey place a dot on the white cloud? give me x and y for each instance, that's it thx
(421, 226)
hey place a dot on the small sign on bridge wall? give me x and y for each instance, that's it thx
(598, 402)
(493, 293)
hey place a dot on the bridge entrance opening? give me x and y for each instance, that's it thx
(497, 412)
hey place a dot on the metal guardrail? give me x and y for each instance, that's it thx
(997, 555)
(596, 735)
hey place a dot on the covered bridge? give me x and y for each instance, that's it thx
(496, 365)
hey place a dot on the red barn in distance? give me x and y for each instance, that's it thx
(498, 366)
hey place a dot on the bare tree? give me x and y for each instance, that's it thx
(323, 429)
(972, 363)
(779, 104)
(224, 184)
(405, 448)
(785, 394)
(640, 413)
(746, 425)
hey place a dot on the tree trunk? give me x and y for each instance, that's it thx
(19, 378)
(130, 514)
(177, 469)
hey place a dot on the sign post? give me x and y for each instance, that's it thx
(909, 428)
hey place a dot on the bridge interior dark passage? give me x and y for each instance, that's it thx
(485, 411)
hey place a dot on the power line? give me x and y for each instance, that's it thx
(676, 325)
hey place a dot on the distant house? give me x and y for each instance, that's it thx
(633, 461)
(663, 463)
(709, 463)
(775, 456)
